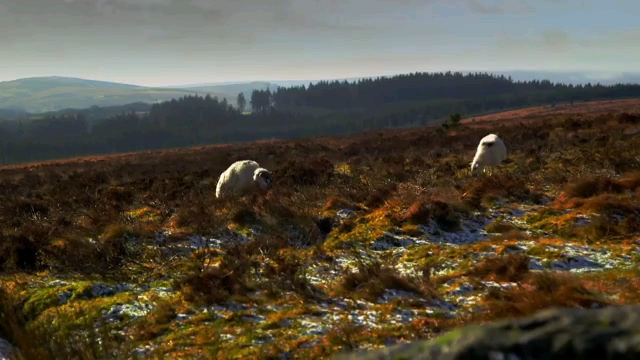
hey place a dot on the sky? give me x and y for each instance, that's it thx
(173, 42)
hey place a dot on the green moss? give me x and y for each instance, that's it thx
(270, 325)
(563, 225)
(80, 314)
(448, 338)
(43, 299)
(500, 226)
(422, 254)
(244, 229)
(539, 251)
(362, 233)
(82, 290)
(536, 217)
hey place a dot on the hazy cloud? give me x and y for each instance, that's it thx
(556, 40)
(149, 38)
(486, 7)
(171, 7)
(560, 41)
(504, 7)
(243, 20)
(550, 40)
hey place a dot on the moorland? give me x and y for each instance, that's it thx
(325, 108)
(364, 241)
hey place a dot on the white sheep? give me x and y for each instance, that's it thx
(242, 177)
(491, 151)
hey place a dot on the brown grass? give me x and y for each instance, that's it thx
(536, 112)
(421, 212)
(511, 268)
(373, 278)
(538, 291)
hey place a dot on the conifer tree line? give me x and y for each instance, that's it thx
(323, 108)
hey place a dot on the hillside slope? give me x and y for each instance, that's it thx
(363, 241)
(41, 94)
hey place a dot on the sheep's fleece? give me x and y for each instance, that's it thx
(239, 177)
(491, 152)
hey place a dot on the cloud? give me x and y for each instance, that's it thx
(556, 40)
(612, 45)
(553, 40)
(101, 8)
(506, 7)
(177, 20)
(478, 7)
(171, 7)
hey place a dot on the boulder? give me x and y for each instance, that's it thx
(559, 333)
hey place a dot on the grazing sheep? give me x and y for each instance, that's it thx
(491, 151)
(242, 177)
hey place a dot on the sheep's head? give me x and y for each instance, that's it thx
(474, 166)
(263, 178)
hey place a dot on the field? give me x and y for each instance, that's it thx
(364, 240)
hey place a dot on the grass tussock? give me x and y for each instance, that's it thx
(422, 212)
(504, 186)
(509, 268)
(539, 291)
(373, 278)
(593, 186)
(65, 339)
(501, 227)
(229, 277)
(156, 323)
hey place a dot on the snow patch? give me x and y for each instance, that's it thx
(389, 241)
(471, 231)
(6, 350)
(119, 311)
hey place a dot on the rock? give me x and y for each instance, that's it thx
(6, 350)
(609, 333)
(389, 241)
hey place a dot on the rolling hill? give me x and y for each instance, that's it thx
(44, 94)
(53, 93)
(230, 88)
(567, 77)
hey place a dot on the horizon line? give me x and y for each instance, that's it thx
(239, 82)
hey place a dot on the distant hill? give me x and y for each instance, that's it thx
(54, 93)
(565, 77)
(574, 77)
(12, 113)
(42, 94)
(258, 85)
(230, 88)
(96, 112)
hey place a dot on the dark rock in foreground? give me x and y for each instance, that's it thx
(607, 333)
